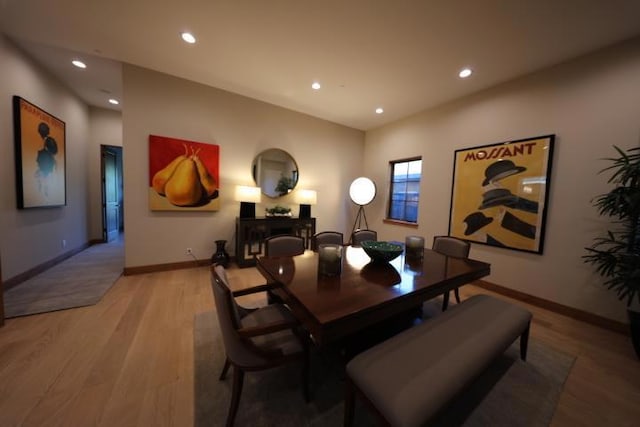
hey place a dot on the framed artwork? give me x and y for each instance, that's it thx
(183, 175)
(500, 193)
(40, 154)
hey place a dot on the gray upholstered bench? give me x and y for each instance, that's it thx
(410, 377)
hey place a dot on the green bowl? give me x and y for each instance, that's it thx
(381, 251)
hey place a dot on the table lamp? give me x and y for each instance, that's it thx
(248, 197)
(306, 198)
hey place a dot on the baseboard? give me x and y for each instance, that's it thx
(155, 268)
(574, 313)
(23, 277)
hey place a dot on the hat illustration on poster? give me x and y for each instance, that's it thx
(475, 222)
(498, 197)
(501, 169)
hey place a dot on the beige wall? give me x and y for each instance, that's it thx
(33, 236)
(590, 104)
(105, 129)
(329, 157)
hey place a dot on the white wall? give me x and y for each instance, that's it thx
(105, 129)
(590, 104)
(329, 157)
(33, 236)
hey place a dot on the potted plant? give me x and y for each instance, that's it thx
(616, 255)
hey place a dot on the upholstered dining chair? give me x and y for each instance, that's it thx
(453, 247)
(284, 245)
(255, 339)
(360, 236)
(326, 237)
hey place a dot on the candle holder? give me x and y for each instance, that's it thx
(414, 247)
(329, 260)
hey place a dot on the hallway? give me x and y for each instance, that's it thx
(78, 281)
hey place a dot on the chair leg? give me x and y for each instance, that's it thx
(238, 377)
(349, 401)
(457, 293)
(445, 301)
(524, 343)
(225, 369)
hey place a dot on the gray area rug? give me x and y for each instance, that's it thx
(510, 393)
(77, 281)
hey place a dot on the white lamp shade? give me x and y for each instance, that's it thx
(306, 197)
(247, 194)
(362, 191)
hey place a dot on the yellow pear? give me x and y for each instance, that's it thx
(207, 181)
(183, 187)
(162, 176)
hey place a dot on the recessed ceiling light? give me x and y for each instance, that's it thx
(465, 72)
(79, 63)
(114, 101)
(379, 110)
(315, 86)
(188, 37)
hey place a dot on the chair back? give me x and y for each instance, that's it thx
(363, 236)
(326, 237)
(451, 246)
(239, 350)
(284, 245)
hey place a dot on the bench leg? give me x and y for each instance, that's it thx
(524, 342)
(349, 401)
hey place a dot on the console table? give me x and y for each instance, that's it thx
(251, 233)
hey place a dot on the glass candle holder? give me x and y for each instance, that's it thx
(414, 246)
(329, 260)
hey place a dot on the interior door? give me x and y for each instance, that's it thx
(111, 195)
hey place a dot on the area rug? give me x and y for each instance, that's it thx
(77, 281)
(510, 393)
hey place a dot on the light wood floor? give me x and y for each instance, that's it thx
(128, 361)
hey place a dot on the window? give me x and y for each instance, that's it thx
(405, 189)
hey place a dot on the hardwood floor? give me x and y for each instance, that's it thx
(128, 361)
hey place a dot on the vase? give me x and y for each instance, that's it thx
(220, 256)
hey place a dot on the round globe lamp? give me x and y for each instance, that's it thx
(361, 191)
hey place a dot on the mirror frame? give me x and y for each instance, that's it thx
(266, 181)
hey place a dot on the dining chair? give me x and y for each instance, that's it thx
(360, 236)
(326, 237)
(255, 339)
(282, 245)
(453, 247)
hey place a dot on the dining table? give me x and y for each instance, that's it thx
(366, 292)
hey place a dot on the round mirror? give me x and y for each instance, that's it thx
(275, 172)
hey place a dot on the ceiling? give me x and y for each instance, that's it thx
(401, 55)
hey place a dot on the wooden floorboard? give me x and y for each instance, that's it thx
(128, 360)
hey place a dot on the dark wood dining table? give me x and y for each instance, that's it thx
(365, 293)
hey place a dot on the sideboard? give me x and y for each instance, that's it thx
(251, 233)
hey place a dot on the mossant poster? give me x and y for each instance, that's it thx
(500, 193)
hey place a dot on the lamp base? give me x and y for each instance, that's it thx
(247, 210)
(305, 211)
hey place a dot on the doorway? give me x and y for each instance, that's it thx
(112, 192)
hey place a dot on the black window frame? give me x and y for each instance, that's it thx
(411, 202)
